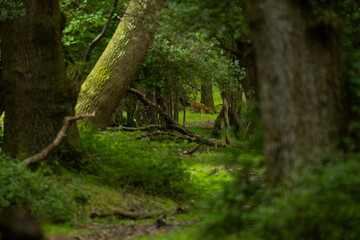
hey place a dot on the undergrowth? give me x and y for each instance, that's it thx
(42, 196)
(119, 160)
(321, 203)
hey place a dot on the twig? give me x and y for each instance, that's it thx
(191, 151)
(101, 35)
(137, 126)
(61, 134)
(77, 76)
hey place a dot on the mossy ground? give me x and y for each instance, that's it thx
(207, 173)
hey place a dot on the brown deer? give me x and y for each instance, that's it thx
(195, 106)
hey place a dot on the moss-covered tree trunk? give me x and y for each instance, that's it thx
(37, 93)
(107, 83)
(300, 95)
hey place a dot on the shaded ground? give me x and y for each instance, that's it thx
(106, 231)
(203, 124)
(116, 231)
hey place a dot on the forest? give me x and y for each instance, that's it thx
(180, 119)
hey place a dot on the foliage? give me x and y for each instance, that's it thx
(11, 9)
(184, 61)
(233, 209)
(120, 161)
(42, 196)
(322, 203)
(221, 18)
(181, 59)
(84, 21)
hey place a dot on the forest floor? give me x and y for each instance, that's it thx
(170, 219)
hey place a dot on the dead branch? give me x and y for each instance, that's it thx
(77, 76)
(186, 153)
(132, 129)
(171, 124)
(61, 134)
(152, 134)
(124, 214)
(102, 34)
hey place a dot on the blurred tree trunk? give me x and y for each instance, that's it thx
(107, 83)
(37, 93)
(151, 112)
(2, 92)
(176, 108)
(300, 90)
(207, 96)
(216, 132)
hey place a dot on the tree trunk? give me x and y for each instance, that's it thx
(151, 112)
(299, 94)
(37, 93)
(234, 120)
(107, 83)
(227, 122)
(176, 108)
(216, 133)
(207, 96)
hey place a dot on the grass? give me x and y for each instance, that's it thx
(207, 173)
(192, 118)
(114, 155)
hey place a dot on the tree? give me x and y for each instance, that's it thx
(37, 93)
(207, 95)
(300, 89)
(108, 81)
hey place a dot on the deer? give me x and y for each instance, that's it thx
(195, 106)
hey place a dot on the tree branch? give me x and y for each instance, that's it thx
(102, 34)
(171, 124)
(61, 134)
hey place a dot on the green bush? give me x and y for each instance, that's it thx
(321, 203)
(324, 203)
(232, 210)
(42, 196)
(119, 160)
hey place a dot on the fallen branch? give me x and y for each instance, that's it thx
(61, 134)
(152, 134)
(171, 124)
(124, 214)
(191, 151)
(160, 133)
(132, 129)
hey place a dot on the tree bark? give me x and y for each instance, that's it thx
(216, 132)
(299, 103)
(37, 93)
(227, 122)
(107, 83)
(207, 96)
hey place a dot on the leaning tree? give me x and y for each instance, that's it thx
(108, 81)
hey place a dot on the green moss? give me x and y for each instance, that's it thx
(92, 87)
